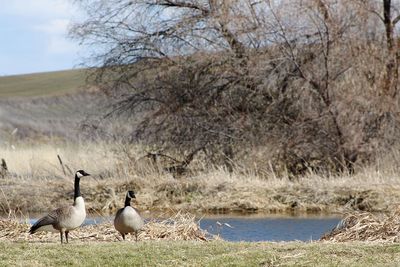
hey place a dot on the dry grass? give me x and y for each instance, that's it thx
(41, 161)
(37, 184)
(367, 227)
(181, 226)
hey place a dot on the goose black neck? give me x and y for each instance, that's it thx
(77, 192)
(127, 201)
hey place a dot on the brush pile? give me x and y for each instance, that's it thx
(178, 227)
(366, 227)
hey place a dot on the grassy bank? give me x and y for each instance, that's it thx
(189, 253)
(36, 172)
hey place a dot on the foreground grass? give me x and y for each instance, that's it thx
(181, 253)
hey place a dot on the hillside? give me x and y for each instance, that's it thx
(42, 84)
(50, 104)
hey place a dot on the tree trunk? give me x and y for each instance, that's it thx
(391, 75)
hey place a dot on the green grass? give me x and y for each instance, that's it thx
(186, 253)
(42, 84)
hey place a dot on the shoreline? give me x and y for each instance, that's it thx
(219, 196)
(156, 214)
(36, 184)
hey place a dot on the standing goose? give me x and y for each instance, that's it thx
(67, 218)
(127, 219)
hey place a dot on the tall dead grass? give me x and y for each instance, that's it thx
(42, 161)
(366, 226)
(36, 184)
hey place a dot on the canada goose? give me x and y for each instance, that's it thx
(127, 219)
(66, 218)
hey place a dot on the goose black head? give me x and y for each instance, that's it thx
(130, 194)
(81, 173)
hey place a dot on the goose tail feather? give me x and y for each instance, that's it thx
(45, 221)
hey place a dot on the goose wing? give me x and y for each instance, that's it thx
(118, 219)
(50, 219)
(118, 213)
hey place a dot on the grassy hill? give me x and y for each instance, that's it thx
(48, 104)
(42, 84)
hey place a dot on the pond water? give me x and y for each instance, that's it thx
(269, 228)
(258, 228)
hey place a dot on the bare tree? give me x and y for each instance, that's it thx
(225, 77)
(388, 14)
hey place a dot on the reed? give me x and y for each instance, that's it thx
(366, 226)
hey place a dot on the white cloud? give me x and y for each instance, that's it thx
(44, 27)
(55, 32)
(59, 45)
(49, 18)
(55, 26)
(34, 8)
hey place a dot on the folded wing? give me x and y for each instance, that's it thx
(46, 223)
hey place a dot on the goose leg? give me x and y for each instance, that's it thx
(123, 236)
(136, 236)
(61, 236)
(66, 235)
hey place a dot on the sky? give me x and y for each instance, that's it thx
(33, 36)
